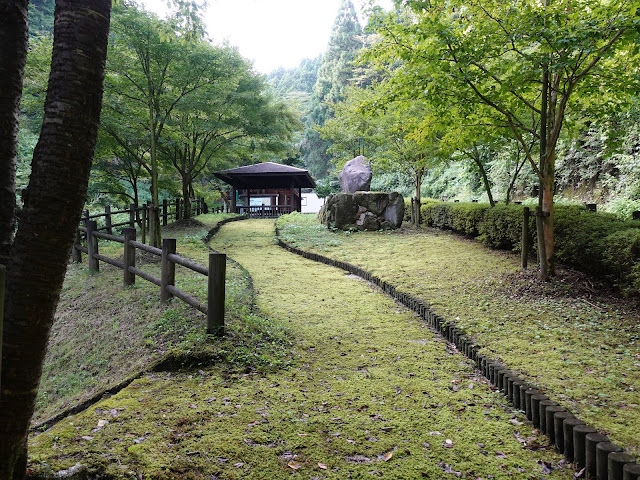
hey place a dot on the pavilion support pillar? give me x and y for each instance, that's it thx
(234, 208)
(293, 199)
(300, 199)
(248, 201)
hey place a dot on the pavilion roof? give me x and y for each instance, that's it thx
(266, 175)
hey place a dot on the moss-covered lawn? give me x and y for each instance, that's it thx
(370, 392)
(104, 333)
(577, 342)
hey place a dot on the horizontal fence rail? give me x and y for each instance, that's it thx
(215, 273)
(168, 209)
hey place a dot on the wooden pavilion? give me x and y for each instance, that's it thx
(278, 185)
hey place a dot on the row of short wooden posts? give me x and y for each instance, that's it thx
(216, 271)
(591, 452)
(593, 455)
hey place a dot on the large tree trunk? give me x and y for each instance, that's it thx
(418, 200)
(548, 186)
(53, 203)
(14, 34)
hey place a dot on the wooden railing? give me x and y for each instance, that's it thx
(174, 208)
(263, 211)
(216, 271)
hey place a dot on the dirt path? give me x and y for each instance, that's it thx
(372, 393)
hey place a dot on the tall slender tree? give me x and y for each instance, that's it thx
(335, 73)
(37, 257)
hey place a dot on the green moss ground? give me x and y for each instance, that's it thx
(369, 392)
(578, 343)
(104, 333)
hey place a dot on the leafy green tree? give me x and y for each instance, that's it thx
(153, 66)
(525, 61)
(223, 119)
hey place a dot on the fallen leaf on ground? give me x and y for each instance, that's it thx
(294, 465)
(322, 466)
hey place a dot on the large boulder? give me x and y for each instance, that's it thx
(363, 211)
(355, 176)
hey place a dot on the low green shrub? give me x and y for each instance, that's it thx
(597, 243)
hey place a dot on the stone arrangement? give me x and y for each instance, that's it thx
(363, 211)
(355, 208)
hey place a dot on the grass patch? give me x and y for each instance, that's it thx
(372, 392)
(104, 333)
(573, 338)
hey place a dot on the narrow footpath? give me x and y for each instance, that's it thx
(375, 392)
(371, 393)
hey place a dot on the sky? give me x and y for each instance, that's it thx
(272, 33)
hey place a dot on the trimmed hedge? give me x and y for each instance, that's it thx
(592, 242)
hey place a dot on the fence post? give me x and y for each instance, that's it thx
(215, 294)
(525, 236)
(92, 246)
(76, 254)
(132, 215)
(107, 219)
(165, 209)
(129, 256)
(144, 223)
(177, 209)
(85, 217)
(3, 278)
(168, 276)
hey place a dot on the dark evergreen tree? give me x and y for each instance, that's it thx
(41, 17)
(335, 73)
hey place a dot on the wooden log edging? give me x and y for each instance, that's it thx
(561, 427)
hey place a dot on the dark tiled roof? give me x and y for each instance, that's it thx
(266, 175)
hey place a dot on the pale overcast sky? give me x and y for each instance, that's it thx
(272, 33)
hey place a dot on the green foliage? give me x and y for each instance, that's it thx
(501, 227)
(299, 79)
(334, 74)
(459, 217)
(41, 17)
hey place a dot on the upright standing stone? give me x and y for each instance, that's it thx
(355, 176)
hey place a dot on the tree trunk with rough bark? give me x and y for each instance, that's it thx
(14, 35)
(186, 195)
(53, 203)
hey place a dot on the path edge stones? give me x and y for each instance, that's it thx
(555, 421)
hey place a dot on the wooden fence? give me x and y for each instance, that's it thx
(216, 271)
(174, 208)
